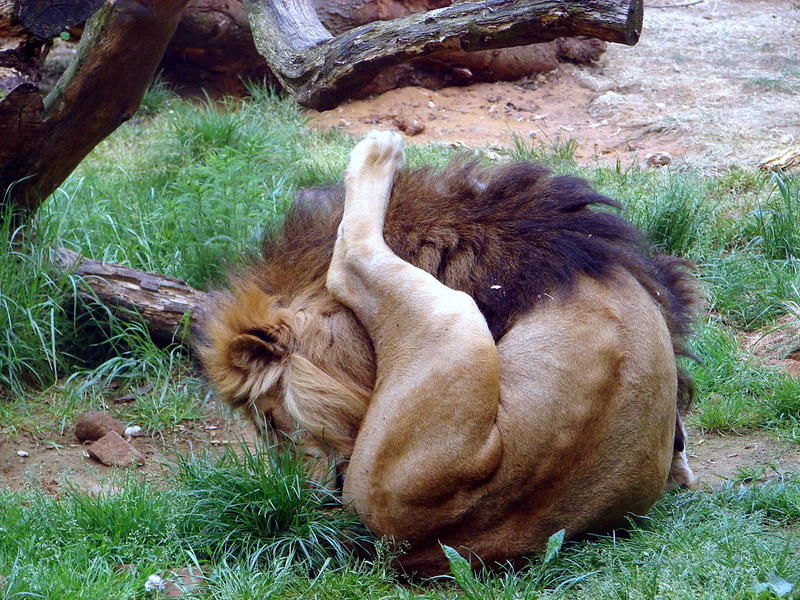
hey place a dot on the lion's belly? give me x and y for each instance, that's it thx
(587, 419)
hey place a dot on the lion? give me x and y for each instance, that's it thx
(483, 358)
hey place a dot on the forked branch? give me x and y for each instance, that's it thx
(44, 140)
(320, 69)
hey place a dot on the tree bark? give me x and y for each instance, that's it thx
(45, 18)
(169, 307)
(119, 52)
(320, 70)
(213, 50)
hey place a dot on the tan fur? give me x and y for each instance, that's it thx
(566, 421)
(247, 370)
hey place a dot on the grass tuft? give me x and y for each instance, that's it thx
(261, 502)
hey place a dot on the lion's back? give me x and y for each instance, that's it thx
(507, 235)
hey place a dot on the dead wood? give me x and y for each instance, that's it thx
(169, 307)
(320, 70)
(21, 52)
(46, 139)
(45, 18)
(213, 50)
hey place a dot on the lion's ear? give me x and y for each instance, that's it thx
(255, 349)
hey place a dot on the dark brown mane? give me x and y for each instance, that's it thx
(506, 235)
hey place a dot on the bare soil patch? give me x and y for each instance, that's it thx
(714, 85)
(716, 458)
(55, 460)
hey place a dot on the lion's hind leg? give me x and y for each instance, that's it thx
(680, 473)
(430, 428)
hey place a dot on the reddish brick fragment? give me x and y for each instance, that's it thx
(187, 580)
(113, 451)
(94, 424)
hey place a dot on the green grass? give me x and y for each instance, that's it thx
(734, 392)
(261, 503)
(721, 544)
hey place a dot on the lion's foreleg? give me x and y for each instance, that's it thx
(430, 428)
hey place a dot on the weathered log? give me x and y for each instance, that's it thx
(119, 52)
(165, 304)
(21, 129)
(45, 18)
(21, 52)
(320, 69)
(213, 50)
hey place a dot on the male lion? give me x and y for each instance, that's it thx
(485, 358)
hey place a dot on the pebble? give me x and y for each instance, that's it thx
(658, 159)
(153, 583)
(132, 431)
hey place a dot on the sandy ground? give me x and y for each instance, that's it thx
(714, 85)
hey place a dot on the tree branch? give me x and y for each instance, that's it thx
(320, 70)
(119, 52)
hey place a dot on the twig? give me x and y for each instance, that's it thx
(673, 5)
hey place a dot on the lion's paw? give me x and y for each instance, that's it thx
(680, 474)
(380, 152)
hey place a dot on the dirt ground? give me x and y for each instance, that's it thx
(56, 461)
(714, 84)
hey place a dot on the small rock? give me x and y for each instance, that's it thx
(133, 431)
(409, 126)
(658, 159)
(188, 579)
(113, 451)
(94, 424)
(22, 453)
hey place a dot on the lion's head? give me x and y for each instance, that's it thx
(303, 367)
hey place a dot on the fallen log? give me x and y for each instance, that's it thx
(213, 50)
(168, 307)
(45, 18)
(320, 70)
